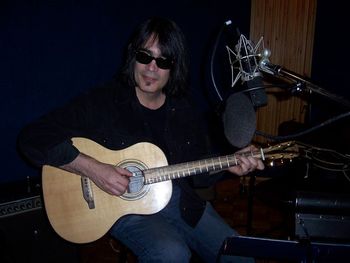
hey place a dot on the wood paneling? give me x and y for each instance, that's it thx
(288, 29)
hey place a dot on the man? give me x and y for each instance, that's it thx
(147, 102)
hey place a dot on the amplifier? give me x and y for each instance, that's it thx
(322, 216)
(20, 206)
(25, 232)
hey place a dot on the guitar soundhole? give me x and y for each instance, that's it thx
(136, 189)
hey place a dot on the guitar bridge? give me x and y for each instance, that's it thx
(87, 192)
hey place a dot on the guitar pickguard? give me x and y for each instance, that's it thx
(137, 188)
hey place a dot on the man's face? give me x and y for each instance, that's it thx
(149, 77)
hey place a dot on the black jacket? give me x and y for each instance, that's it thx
(112, 116)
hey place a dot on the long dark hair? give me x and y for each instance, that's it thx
(172, 44)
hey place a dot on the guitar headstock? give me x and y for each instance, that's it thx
(280, 153)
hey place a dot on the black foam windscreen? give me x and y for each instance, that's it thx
(239, 120)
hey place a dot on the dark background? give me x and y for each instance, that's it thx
(52, 50)
(330, 71)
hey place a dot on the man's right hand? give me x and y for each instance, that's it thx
(111, 179)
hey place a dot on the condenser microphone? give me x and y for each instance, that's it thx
(239, 120)
(246, 55)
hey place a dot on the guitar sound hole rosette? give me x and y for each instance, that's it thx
(136, 189)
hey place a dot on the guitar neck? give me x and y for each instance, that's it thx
(175, 171)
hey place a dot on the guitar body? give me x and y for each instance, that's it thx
(80, 212)
(68, 211)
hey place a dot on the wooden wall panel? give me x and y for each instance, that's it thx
(288, 29)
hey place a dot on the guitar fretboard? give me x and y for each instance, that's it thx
(160, 174)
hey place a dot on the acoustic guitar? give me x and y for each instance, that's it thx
(81, 212)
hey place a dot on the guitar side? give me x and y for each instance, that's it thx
(68, 211)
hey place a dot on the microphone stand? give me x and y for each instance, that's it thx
(302, 82)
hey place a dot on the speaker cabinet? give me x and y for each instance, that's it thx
(26, 235)
(322, 216)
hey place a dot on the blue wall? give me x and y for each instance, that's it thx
(52, 50)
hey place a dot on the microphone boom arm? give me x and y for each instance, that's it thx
(279, 71)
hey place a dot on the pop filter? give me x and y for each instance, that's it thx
(239, 120)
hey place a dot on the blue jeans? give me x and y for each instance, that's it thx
(166, 237)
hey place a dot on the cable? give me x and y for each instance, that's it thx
(295, 135)
(228, 22)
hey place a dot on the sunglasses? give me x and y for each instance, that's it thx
(144, 58)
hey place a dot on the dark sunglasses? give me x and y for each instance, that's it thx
(144, 58)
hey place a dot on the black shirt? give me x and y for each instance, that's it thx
(155, 120)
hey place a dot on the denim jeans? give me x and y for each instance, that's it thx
(166, 237)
